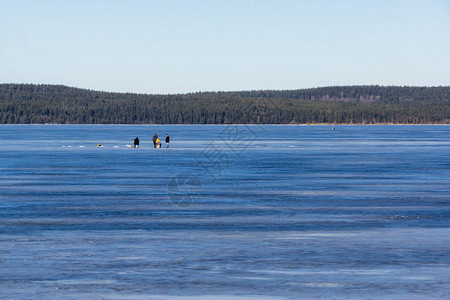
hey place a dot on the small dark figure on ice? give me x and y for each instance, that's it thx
(167, 140)
(155, 137)
(136, 142)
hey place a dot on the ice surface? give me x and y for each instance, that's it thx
(227, 212)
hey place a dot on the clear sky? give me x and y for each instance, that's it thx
(176, 46)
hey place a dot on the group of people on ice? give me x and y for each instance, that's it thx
(156, 141)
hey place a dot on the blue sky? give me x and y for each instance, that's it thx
(174, 46)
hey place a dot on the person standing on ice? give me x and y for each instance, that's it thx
(167, 140)
(155, 137)
(136, 142)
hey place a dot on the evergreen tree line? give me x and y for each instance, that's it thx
(42, 104)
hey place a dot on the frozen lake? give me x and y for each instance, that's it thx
(227, 212)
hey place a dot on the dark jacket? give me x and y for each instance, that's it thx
(167, 138)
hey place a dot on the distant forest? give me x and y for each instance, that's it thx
(57, 104)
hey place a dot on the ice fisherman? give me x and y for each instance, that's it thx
(155, 137)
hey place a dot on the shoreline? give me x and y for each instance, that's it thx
(239, 124)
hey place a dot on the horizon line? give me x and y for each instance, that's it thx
(229, 91)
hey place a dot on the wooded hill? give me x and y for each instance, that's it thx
(41, 104)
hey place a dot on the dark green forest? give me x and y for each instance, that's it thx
(57, 104)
